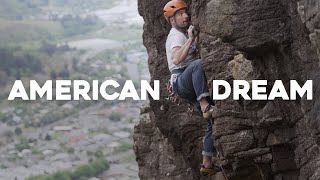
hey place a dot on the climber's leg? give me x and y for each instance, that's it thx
(208, 147)
(193, 81)
(207, 167)
(192, 86)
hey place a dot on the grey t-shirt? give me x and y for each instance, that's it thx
(176, 39)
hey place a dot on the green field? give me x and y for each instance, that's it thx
(28, 33)
(26, 23)
(16, 9)
(22, 9)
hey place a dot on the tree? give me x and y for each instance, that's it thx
(65, 72)
(53, 74)
(48, 48)
(115, 116)
(75, 64)
(3, 78)
(18, 131)
(48, 137)
(18, 75)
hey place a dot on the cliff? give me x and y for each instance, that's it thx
(257, 39)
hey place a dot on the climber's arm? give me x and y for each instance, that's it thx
(180, 53)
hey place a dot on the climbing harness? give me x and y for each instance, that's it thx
(173, 94)
(171, 86)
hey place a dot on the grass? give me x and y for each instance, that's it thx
(133, 32)
(85, 171)
(3, 166)
(123, 148)
(115, 116)
(18, 9)
(35, 151)
(112, 55)
(28, 33)
(22, 146)
(54, 116)
(130, 158)
(74, 6)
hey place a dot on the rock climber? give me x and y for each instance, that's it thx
(188, 79)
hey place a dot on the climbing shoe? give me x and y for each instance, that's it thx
(207, 113)
(209, 171)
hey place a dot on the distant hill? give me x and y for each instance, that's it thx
(16, 9)
(20, 9)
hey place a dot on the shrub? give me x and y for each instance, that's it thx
(22, 146)
(123, 147)
(39, 177)
(8, 134)
(99, 166)
(5, 117)
(14, 62)
(52, 117)
(115, 116)
(99, 153)
(3, 78)
(83, 171)
(92, 169)
(18, 131)
(70, 150)
(62, 175)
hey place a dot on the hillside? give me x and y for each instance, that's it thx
(69, 39)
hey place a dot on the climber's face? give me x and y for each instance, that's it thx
(181, 19)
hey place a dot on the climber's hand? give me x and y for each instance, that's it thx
(190, 32)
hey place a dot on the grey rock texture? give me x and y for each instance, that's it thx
(157, 158)
(310, 16)
(256, 39)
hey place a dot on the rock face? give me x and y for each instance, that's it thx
(257, 39)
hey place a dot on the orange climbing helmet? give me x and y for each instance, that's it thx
(172, 7)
